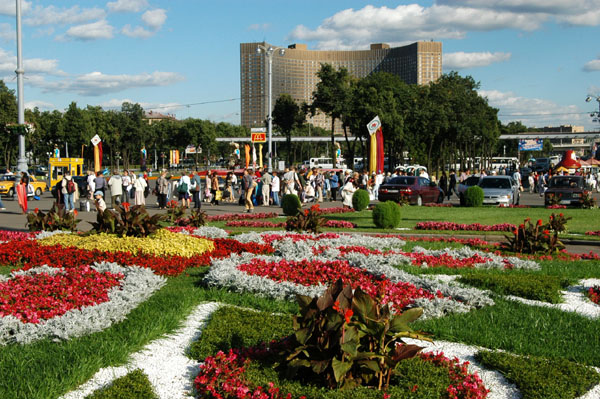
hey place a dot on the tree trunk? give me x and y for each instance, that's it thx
(333, 141)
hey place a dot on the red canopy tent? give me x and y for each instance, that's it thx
(569, 161)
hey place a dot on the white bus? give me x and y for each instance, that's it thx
(503, 162)
(325, 163)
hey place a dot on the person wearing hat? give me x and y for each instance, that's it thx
(100, 204)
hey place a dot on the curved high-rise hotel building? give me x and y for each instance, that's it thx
(294, 72)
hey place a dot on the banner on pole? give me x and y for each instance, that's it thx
(531, 144)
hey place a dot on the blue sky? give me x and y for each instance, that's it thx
(536, 60)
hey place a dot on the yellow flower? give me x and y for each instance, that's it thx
(162, 243)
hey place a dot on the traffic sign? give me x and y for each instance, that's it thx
(259, 137)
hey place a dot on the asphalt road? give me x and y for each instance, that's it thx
(13, 219)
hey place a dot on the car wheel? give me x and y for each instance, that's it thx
(38, 192)
(419, 201)
(440, 198)
(11, 192)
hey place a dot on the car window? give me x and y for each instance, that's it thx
(471, 181)
(404, 180)
(566, 182)
(423, 181)
(494, 183)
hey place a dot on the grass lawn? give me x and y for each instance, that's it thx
(48, 369)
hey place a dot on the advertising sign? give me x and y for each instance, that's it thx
(531, 144)
(259, 137)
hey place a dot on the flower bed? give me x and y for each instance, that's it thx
(341, 224)
(6, 235)
(463, 227)
(593, 233)
(594, 294)
(513, 206)
(435, 205)
(241, 216)
(31, 254)
(162, 243)
(224, 375)
(556, 206)
(69, 302)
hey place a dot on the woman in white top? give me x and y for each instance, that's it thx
(348, 192)
(140, 186)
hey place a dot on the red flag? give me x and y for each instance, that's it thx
(380, 153)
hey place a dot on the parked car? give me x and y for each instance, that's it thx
(500, 190)
(542, 165)
(462, 187)
(417, 190)
(8, 182)
(565, 190)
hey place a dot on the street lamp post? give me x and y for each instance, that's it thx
(269, 54)
(22, 160)
(596, 114)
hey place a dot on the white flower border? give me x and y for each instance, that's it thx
(137, 286)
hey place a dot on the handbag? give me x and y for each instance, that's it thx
(218, 195)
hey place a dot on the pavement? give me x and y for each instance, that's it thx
(13, 219)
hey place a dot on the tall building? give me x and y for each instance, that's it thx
(295, 72)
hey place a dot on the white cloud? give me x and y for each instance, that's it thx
(264, 26)
(93, 31)
(446, 19)
(8, 64)
(127, 5)
(52, 15)
(592, 66)
(7, 33)
(9, 7)
(148, 106)
(41, 105)
(138, 32)
(533, 111)
(98, 83)
(462, 60)
(154, 19)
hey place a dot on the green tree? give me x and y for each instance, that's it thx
(8, 114)
(287, 115)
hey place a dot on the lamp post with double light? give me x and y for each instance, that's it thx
(269, 52)
(596, 114)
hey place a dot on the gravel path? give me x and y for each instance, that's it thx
(164, 361)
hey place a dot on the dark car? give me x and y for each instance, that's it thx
(542, 165)
(565, 190)
(463, 186)
(417, 190)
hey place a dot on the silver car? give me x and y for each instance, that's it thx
(499, 190)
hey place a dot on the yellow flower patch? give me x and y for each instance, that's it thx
(162, 243)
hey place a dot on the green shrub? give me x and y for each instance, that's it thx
(538, 237)
(360, 200)
(134, 385)
(231, 327)
(310, 221)
(531, 286)
(290, 204)
(57, 218)
(387, 215)
(542, 378)
(474, 196)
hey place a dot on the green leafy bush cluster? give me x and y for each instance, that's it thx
(531, 286)
(542, 378)
(413, 379)
(387, 215)
(360, 200)
(539, 237)
(134, 385)
(127, 220)
(57, 218)
(311, 220)
(474, 196)
(290, 203)
(231, 327)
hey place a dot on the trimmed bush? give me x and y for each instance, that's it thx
(223, 331)
(360, 200)
(542, 378)
(531, 286)
(474, 196)
(134, 385)
(290, 204)
(386, 215)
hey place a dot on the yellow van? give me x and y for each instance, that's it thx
(57, 167)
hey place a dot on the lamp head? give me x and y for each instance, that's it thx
(588, 99)
(282, 52)
(270, 50)
(258, 51)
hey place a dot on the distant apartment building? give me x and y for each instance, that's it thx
(295, 72)
(153, 117)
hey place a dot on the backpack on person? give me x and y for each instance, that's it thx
(70, 186)
(183, 187)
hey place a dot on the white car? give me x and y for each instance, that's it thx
(500, 190)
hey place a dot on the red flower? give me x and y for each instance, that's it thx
(336, 306)
(348, 314)
(539, 222)
(36, 210)
(546, 232)
(126, 206)
(75, 212)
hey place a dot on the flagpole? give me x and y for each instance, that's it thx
(21, 161)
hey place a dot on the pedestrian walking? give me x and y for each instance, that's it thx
(275, 187)
(115, 183)
(140, 186)
(248, 184)
(267, 180)
(68, 190)
(162, 189)
(197, 191)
